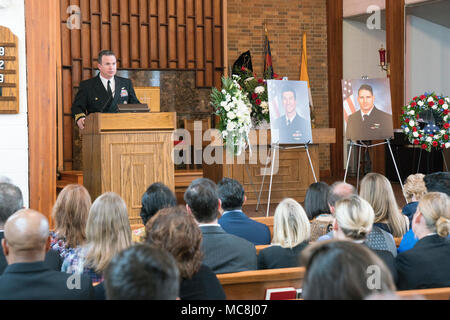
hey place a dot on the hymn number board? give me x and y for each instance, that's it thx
(9, 72)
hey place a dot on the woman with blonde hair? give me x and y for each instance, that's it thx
(354, 222)
(377, 190)
(427, 265)
(176, 231)
(70, 213)
(291, 233)
(107, 233)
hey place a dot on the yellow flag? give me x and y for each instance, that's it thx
(304, 77)
(304, 65)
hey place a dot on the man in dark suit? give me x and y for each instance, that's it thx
(27, 277)
(369, 123)
(234, 220)
(292, 127)
(223, 252)
(11, 200)
(104, 92)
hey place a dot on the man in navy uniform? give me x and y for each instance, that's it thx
(292, 127)
(369, 123)
(104, 92)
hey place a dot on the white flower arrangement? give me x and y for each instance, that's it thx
(234, 109)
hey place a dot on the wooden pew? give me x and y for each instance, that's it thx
(429, 294)
(261, 247)
(252, 285)
(268, 221)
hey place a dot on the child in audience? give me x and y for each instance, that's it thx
(291, 231)
(107, 233)
(343, 270)
(70, 213)
(427, 265)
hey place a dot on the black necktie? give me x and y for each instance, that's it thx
(109, 89)
(365, 117)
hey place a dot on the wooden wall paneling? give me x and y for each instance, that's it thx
(154, 34)
(115, 27)
(190, 34)
(181, 35)
(85, 40)
(199, 44)
(124, 35)
(207, 40)
(43, 40)
(217, 42)
(105, 25)
(67, 121)
(96, 41)
(172, 34)
(163, 34)
(134, 34)
(395, 43)
(143, 34)
(335, 74)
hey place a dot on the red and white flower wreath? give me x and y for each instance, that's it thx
(428, 136)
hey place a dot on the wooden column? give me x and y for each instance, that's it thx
(395, 43)
(335, 73)
(43, 65)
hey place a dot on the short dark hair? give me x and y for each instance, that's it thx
(155, 198)
(365, 87)
(105, 53)
(142, 272)
(316, 200)
(438, 182)
(339, 270)
(231, 193)
(202, 198)
(288, 88)
(11, 200)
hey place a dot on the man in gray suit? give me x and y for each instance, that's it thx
(223, 252)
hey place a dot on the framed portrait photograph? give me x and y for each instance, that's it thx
(290, 121)
(367, 109)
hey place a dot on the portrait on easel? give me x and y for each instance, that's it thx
(290, 121)
(367, 109)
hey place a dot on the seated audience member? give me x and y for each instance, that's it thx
(176, 231)
(142, 272)
(291, 230)
(70, 213)
(427, 265)
(27, 277)
(107, 233)
(338, 190)
(317, 209)
(223, 252)
(414, 189)
(11, 200)
(156, 197)
(354, 221)
(233, 220)
(438, 182)
(389, 222)
(343, 270)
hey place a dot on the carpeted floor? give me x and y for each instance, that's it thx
(250, 210)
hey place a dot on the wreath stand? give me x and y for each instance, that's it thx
(443, 158)
(274, 148)
(362, 145)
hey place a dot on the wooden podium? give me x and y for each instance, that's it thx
(127, 152)
(294, 174)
